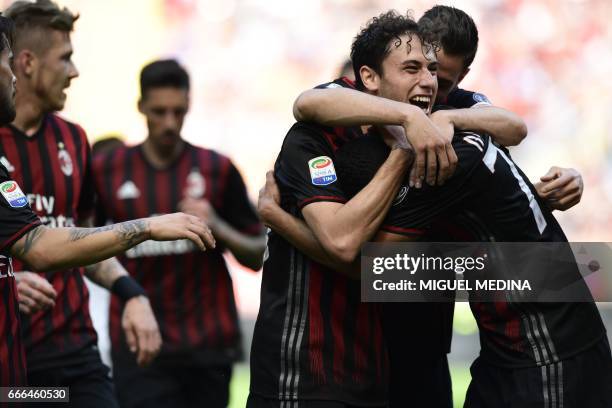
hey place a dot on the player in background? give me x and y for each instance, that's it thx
(106, 144)
(50, 159)
(191, 293)
(24, 238)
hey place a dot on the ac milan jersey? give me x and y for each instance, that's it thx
(16, 219)
(490, 185)
(190, 290)
(314, 339)
(460, 98)
(53, 169)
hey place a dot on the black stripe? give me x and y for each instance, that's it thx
(78, 145)
(350, 325)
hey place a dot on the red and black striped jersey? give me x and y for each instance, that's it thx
(16, 219)
(190, 291)
(53, 168)
(314, 339)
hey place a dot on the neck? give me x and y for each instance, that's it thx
(160, 157)
(30, 113)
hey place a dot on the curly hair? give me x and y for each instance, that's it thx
(32, 19)
(456, 31)
(374, 41)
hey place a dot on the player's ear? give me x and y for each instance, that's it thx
(140, 106)
(370, 78)
(25, 62)
(463, 74)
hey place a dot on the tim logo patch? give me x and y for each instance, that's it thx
(322, 171)
(12, 194)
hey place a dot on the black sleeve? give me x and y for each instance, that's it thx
(85, 207)
(414, 210)
(343, 82)
(16, 216)
(305, 167)
(236, 209)
(460, 99)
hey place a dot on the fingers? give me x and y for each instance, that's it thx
(452, 158)
(27, 306)
(42, 300)
(432, 166)
(556, 184)
(552, 173)
(443, 166)
(421, 157)
(196, 239)
(130, 337)
(413, 176)
(151, 345)
(270, 178)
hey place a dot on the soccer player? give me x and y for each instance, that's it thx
(25, 238)
(432, 203)
(315, 343)
(191, 293)
(340, 106)
(50, 159)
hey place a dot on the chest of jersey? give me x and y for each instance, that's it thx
(49, 167)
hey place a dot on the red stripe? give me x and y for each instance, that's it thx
(74, 298)
(403, 231)
(208, 314)
(12, 154)
(312, 199)
(338, 308)
(223, 300)
(349, 82)
(315, 320)
(331, 139)
(222, 180)
(380, 352)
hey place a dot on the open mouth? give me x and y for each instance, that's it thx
(421, 101)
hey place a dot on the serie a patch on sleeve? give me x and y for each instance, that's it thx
(12, 194)
(322, 171)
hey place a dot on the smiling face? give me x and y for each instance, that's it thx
(54, 71)
(407, 74)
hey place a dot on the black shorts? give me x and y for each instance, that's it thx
(90, 385)
(418, 337)
(256, 401)
(584, 381)
(170, 384)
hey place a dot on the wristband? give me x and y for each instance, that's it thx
(126, 288)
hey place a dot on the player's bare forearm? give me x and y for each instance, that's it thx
(297, 232)
(343, 228)
(247, 249)
(348, 107)
(505, 127)
(58, 248)
(105, 273)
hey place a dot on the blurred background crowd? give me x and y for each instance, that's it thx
(547, 60)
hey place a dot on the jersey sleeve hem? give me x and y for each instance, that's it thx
(315, 199)
(411, 232)
(16, 236)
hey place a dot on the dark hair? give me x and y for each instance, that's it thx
(456, 31)
(163, 73)
(374, 41)
(39, 15)
(7, 33)
(358, 161)
(107, 144)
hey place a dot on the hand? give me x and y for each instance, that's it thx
(175, 226)
(433, 150)
(200, 208)
(35, 293)
(561, 188)
(141, 330)
(269, 197)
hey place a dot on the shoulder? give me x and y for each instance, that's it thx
(105, 160)
(204, 154)
(461, 98)
(343, 82)
(72, 126)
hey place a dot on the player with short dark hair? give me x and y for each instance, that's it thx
(23, 237)
(191, 293)
(50, 158)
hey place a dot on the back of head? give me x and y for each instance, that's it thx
(358, 161)
(7, 33)
(33, 20)
(373, 43)
(163, 74)
(457, 32)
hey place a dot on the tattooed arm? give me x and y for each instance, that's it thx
(58, 248)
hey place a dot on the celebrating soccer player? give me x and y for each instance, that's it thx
(191, 293)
